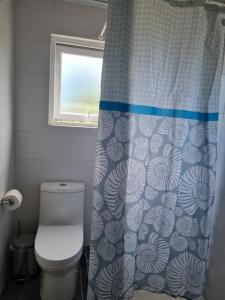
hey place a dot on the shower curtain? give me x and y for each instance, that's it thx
(156, 151)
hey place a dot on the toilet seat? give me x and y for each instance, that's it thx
(58, 247)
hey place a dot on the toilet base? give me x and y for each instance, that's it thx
(60, 286)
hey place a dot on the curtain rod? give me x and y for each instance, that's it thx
(102, 33)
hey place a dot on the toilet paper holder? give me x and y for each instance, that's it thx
(12, 200)
(9, 202)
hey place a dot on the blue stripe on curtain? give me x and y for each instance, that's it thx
(157, 111)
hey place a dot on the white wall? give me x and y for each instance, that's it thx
(6, 126)
(44, 152)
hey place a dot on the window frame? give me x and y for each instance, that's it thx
(72, 45)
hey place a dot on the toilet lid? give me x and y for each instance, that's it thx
(58, 244)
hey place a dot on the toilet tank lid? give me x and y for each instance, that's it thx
(62, 187)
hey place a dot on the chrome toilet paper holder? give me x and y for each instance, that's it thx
(6, 202)
(11, 200)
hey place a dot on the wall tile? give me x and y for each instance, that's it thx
(79, 10)
(38, 4)
(73, 147)
(28, 213)
(33, 145)
(41, 145)
(33, 24)
(31, 116)
(32, 57)
(88, 132)
(33, 172)
(78, 26)
(32, 87)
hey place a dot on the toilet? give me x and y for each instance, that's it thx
(59, 239)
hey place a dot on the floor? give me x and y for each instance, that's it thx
(142, 295)
(30, 290)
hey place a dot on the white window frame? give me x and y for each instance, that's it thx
(73, 45)
(96, 3)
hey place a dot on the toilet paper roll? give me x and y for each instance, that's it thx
(13, 199)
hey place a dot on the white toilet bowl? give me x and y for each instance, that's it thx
(59, 240)
(58, 250)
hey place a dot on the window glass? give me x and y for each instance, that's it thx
(80, 84)
(75, 81)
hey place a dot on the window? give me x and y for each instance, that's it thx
(75, 80)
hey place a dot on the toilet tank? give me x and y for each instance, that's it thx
(61, 203)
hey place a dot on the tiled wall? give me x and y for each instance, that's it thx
(44, 152)
(6, 126)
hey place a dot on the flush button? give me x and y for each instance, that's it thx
(62, 184)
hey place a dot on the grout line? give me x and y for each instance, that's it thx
(32, 102)
(56, 159)
(52, 10)
(26, 99)
(40, 42)
(58, 135)
(31, 72)
(48, 130)
(37, 186)
(75, 131)
(44, 9)
(18, 73)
